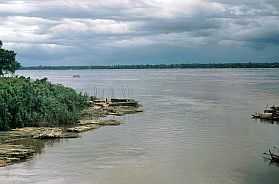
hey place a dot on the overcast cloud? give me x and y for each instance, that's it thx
(71, 32)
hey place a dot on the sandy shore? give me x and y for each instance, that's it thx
(93, 117)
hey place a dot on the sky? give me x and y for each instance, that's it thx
(109, 32)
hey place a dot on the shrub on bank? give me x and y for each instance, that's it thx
(25, 102)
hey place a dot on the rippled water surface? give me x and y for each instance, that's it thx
(196, 128)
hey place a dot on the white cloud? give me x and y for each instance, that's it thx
(20, 29)
(16, 7)
(102, 26)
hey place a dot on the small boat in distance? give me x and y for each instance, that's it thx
(76, 76)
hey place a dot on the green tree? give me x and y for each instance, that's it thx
(8, 63)
(27, 102)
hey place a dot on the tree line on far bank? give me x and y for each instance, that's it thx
(158, 66)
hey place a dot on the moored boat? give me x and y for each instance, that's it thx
(123, 102)
(256, 115)
(274, 157)
(269, 114)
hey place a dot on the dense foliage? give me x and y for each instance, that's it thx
(24, 102)
(158, 66)
(8, 63)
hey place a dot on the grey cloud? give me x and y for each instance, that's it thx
(265, 39)
(100, 30)
(180, 25)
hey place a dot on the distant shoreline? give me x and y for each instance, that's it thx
(157, 66)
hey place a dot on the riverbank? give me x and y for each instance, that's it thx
(93, 117)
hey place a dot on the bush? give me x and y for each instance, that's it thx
(24, 102)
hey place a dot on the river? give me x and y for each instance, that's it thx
(196, 128)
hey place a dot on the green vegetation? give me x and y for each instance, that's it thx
(158, 66)
(24, 102)
(8, 64)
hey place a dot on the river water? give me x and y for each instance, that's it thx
(196, 128)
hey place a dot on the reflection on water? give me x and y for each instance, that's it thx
(268, 121)
(269, 162)
(39, 144)
(272, 163)
(196, 128)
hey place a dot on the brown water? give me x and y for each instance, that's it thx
(196, 128)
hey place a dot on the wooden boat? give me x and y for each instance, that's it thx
(256, 115)
(264, 115)
(119, 100)
(274, 157)
(100, 102)
(269, 114)
(123, 102)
